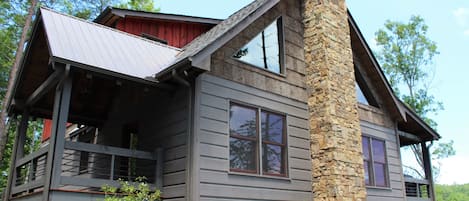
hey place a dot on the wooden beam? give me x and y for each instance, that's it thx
(18, 151)
(410, 136)
(26, 159)
(428, 170)
(56, 147)
(108, 150)
(159, 168)
(45, 87)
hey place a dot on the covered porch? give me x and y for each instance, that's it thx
(111, 120)
(415, 136)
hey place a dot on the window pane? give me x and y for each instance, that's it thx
(367, 172)
(272, 47)
(243, 121)
(272, 159)
(242, 154)
(366, 148)
(263, 50)
(378, 151)
(272, 127)
(360, 95)
(380, 172)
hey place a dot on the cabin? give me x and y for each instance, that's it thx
(283, 100)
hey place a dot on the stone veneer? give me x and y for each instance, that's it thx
(336, 150)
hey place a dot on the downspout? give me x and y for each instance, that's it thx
(190, 132)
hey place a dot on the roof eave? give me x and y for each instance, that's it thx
(398, 105)
(207, 51)
(147, 81)
(390, 92)
(122, 13)
(36, 24)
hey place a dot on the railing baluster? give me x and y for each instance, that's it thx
(113, 158)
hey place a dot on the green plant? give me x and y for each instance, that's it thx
(131, 191)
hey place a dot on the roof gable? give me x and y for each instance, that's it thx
(111, 14)
(407, 119)
(104, 49)
(203, 46)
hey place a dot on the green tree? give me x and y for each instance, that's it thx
(452, 192)
(14, 31)
(140, 5)
(406, 56)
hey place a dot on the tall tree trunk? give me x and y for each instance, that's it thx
(12, 78)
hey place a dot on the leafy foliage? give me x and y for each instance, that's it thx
(452, 192)
(138, 191)
(12, 19)
(140, 5)
(406, 55)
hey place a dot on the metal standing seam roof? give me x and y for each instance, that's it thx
(95, 45)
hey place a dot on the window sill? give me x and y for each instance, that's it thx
(379, 188)
(263, 71)
(259, 176)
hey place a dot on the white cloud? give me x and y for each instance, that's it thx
(462, 16)
(466, 32)
(454, 170)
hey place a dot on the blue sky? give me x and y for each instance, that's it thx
(448, 23)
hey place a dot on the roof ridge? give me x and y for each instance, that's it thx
(222, 23)
(162, 13)
(112, 29)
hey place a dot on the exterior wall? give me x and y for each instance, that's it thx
(162, 122)
(396, 190)
(213, 96)
(292, 83)
(177, 34)
(376, 122)
(169, 130)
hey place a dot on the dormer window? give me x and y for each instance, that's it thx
(266, 49)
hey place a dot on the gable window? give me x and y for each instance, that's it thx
(360, 95)
(257, 141)
(363, 92)
(374, 160)
(266, 49)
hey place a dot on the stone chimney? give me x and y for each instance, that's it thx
(336, 150)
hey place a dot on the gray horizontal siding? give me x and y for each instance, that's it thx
(215, 180)
(396, 189)
(168, 129)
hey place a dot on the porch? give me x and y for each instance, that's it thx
(418, 176)
(117, 135)
(126, 124)
(87, 167)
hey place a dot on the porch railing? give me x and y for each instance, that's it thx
(417, 188)
(88, 166)
(30, 172)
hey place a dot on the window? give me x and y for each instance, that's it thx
(360, 95)
(257, 142)
(374, 160)
(266, 49)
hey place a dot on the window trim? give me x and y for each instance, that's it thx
(372, 168)
(281, 46)
(259, 159)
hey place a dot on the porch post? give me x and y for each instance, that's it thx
(159, 168)
(17, 152)
(57, 138)
(428, 170)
